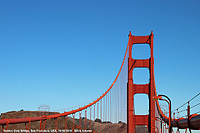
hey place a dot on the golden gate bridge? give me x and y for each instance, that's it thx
(117, 103)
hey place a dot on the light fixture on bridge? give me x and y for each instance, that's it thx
(159, 97)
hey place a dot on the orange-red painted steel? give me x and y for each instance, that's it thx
(133, 89)
(27, 127)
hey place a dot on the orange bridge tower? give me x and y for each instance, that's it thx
(133, 89)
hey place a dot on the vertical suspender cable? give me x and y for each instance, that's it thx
(56, 123)
(104, 108)
(80, 120)
(66, 123)
(94, 119)
(73, 127)
(106, 111)
(85, 119)
(118, 98)
(98, 116)
(115, 104)
(110, 105)
(90, 117)
(101, 115)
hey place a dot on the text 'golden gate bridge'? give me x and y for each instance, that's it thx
(114, 110)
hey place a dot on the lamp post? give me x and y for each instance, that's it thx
(159, 97)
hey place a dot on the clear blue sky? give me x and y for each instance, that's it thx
(66, 53)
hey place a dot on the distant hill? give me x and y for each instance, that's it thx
(96, 125)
